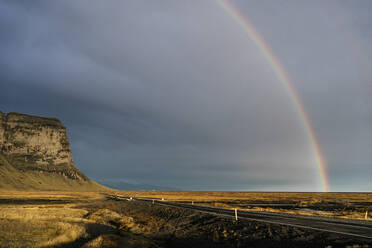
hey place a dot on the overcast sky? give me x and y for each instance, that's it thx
(175, 93)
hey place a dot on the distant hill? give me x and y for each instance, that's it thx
(137, 186)
(35, 155)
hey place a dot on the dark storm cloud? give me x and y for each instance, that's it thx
(176, 94)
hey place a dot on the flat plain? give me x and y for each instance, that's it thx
(341, 205)
(90, 219)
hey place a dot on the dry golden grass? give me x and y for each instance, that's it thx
(42, 225)
(47, 219)
(22, 226)
(50, 195)
(252, 196)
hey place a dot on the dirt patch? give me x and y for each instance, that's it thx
(116, 241)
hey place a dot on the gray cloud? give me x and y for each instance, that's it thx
(177, 94)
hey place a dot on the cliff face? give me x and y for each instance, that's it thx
(37, 147)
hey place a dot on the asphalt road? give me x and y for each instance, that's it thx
(356, 228)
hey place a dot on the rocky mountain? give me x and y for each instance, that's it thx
(35, 155)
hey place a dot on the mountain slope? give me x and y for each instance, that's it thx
(35, 155)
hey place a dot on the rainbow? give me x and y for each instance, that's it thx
(284, 78)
